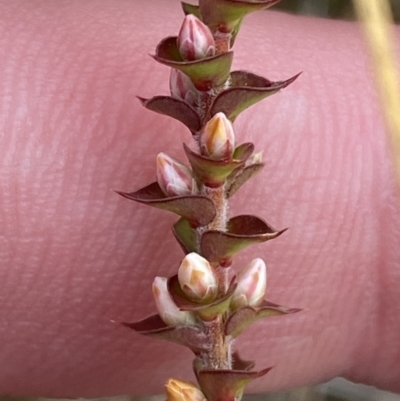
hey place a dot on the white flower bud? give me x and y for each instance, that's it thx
(195, 40)
(197, 278)
(173, 177)
(218, 138)
(168, 311)
(178, 390)
(252, 284)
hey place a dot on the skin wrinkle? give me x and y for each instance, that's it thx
(56, 334)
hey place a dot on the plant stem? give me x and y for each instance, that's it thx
(219, 357)
(222, 42)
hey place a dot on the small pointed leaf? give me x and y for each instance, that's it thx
(200, 210)
(241, 364)
(174, 108)
(226, 385)
(241, 177)
(214, 172)
(235, 32)
(244, 151)
(205, 73)
(223, 15)
(244, 317)
(242, 231)
(245, 90)
(191, 9)
(188, 336)
(207, 311)
(185, 235)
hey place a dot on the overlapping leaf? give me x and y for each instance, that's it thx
(242, 231)
(207, 311)
(186, 235)
(198, 209)
(195, 10)
(245, 90)
(226, 385)
(241, 177)
(206, 73)
(244, 317)
(175, 108)
(224, 15)
(214, 172)
(189, 336)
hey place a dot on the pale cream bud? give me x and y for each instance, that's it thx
(174, 178)
(168, 311)
(195, 40)
(197, 278)
(178, 390)
(252, 284)
(218, 138)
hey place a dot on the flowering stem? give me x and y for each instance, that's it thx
(219, 357)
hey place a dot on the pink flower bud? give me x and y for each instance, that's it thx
(195, 40)
(182, 88)
(178, 390)
(174, 178)
(168, 311)
(252, 284)
(197, 278)
(218, 138)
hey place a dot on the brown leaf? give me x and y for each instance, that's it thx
(242, 231)
(226, 385)
(197, 209)
(189, 336)
(175, 108)
(244, 317)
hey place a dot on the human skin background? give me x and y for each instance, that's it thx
(74, 257)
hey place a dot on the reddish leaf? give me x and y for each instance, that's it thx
(243, 151)
(185, 235)
(198, 209)
(189, 336)
(244, 317)
(191, 9)
(175, 108)
(242, 231)
(240, 364)
(206, 73)
(223, 15)
(226, 385)
(245, 90)
(207, 311)
(238, 179)
(214, 172)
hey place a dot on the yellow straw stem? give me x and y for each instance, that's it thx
(376, 18)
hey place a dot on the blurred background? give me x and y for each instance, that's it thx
(336, 9)
(337, 389)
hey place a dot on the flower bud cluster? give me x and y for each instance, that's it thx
(252, 284)
(195, 40)
(198, 281)
(174, 178)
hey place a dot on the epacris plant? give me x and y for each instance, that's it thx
(205, 306)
